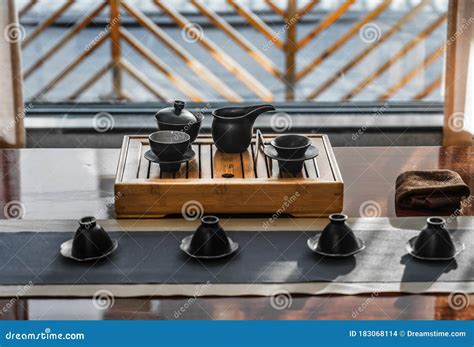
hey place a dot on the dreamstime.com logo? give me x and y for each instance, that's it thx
(103, 122)
(281, 122)
(370, 33)
(456, 122)
(459, 300)
(192, 210)
(14, 210)
(103, 299)
(14, 33)
(281, 300)
(45, 335)
(370, 209)
(192, 32)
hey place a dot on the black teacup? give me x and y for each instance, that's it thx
(90, 240)
(434, 241)
(291, 146)
(337, 238)
(209, 239)
(169, 145)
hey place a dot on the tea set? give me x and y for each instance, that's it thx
(209, 241)
(232, 132)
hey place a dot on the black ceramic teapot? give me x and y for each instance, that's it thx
(177, 118)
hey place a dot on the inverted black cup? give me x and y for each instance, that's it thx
(337, 238)
(169, 145)
(90, 240)
(434, 241)
(209, 239)
(291, 146)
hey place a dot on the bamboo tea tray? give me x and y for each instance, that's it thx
(216, 182)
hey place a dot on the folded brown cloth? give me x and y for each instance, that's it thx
(430, 189)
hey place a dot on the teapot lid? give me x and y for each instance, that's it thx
(176, 115)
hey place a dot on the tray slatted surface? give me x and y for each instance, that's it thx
(209, 163)
(225, 182)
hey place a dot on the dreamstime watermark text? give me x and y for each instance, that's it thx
(288, 24)
(11, 303)
(377, 113)
(104, 32)
(192, 300)
(287, 202)
(45, 335)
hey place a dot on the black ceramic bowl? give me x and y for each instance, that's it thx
(90, 240)
(291, 146)
(169, 145)
(434, 241)
(209, 239)
(337, 238)
(192, 129)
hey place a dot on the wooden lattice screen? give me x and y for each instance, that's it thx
(287, 42)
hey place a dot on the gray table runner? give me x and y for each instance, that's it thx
(267, 257)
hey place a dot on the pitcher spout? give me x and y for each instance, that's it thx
(252, 112)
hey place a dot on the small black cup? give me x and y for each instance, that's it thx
(291, 146)
(90, 240)
(209, 239)
(169, 145)
(337, 238)
(434, 241)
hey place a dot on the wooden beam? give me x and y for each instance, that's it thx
(142, 79)
(396, 57)
(430, 88)
(344, 38)
(63, 40)
(275, 8)
(181, 53)
(307, 8)
(257, 23)
(160, 65)
(361, 56)
(219, 54)
(458, 126)
(47, 23)
(261, 59)
(325, 23)
(115, 45)
(71, 66)
(430, 59)
(12, 112)
(91, 81)
(23, 11)
(290, 50)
